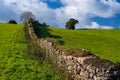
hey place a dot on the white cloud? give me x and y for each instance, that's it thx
(40, 9)
(94, 7)
(95, 25)
(81, 10)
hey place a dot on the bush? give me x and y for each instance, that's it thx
(71, 24)
(45, 25)
(12, 22)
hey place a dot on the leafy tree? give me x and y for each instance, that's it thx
(31, 20)
(26, 16)
(71, 24)
(45, 25)
(12, 22)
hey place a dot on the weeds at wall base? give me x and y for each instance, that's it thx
(34, 50)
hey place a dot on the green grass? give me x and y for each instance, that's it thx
(15, 63)
(104, 43)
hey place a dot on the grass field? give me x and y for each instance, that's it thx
(104, 43)
(15, 63)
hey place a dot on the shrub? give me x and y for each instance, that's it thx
(12, 22)
(45, 25)
(71, 24)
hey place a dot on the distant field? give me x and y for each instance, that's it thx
(104, 43)
(15, 63)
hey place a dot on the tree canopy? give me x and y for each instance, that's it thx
(26, 15)
(71, 24)
(12, 22)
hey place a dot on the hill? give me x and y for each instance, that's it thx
(104, 43)
(15, 62)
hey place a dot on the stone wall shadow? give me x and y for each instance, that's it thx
(43, 32)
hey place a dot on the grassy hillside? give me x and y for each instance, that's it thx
(15, 63)
(104, 43)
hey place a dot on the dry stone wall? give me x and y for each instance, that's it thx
(85, 67)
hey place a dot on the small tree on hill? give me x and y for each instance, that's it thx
(12, 22)
(45, 25)
(71, 24)
(26, 16)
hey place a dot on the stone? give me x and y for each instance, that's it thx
(91, 75)
(85, 74)
(78, 69)
(58, 52)
(97, 70)
(79, 60)
(88, 66)
(69, 58)
(90, 69)
(50, 43)
(62, 53)
(97, 78)
(70, 68)
(117, 73)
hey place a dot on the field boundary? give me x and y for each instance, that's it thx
(87, 66)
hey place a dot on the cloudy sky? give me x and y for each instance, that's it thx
(89, 13)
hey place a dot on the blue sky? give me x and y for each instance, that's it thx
(103, 14)
(54, 4)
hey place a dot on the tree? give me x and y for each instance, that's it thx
(12, 22)
(26, 16)
(71, 24)
(45, 25)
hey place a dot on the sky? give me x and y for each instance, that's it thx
(102, 14)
